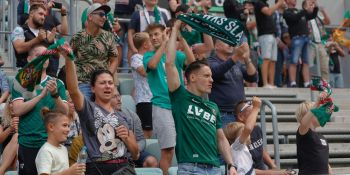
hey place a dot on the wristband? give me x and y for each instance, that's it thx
(63, 14)
(55, 96)
(229, 166)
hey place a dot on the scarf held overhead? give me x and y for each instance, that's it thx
(228, 30)
(28, 78)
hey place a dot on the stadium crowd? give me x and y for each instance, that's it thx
(189, 88)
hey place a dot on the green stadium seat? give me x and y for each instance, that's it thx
(149, 171)
(128, 102)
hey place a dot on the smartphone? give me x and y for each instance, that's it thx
(57, 5)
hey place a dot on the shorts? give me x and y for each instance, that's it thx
(26, 160)
(164, 127)
(144, 111)
(268, 45)
(299, 49)
(143, 156)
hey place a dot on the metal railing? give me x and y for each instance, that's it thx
(267, 103)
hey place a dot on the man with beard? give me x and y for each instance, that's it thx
(94, 47)
(30, 34)
(50, 23)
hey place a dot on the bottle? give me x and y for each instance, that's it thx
(82, 156)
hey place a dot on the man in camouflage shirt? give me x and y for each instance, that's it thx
(94, 47)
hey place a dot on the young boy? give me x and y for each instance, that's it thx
(143, 94)
(52, 157)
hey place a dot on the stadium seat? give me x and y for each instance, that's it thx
(11, 173)
(148, 171)
(126, 86)
(153, 148)
(128, 102)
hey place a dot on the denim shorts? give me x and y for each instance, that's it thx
(299, 49)
(268, 45)
(197, 169)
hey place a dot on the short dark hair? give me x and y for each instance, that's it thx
(94, 76)
(153, 26)
(182, 8)
(36, 7)
(194, 66)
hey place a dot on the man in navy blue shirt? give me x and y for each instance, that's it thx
(230, 69)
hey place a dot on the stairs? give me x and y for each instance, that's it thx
(286, 101)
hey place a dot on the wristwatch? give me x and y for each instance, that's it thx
(229, 166)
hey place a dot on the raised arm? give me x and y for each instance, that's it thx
(268, 11)
(170, 68)
(225, 149)
(187, 50)
(204, 47)
(72, 83)
(251, 120)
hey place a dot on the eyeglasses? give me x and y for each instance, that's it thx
(247, 105)
(101, 14)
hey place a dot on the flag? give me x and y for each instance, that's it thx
(230, 31)
(28, 78)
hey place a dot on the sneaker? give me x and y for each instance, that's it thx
(293, 86)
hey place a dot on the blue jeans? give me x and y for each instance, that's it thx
(85, 89)
(299, 49)
(197, 169)
(227, 118)
(336, 80)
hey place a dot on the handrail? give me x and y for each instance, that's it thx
(274, 128)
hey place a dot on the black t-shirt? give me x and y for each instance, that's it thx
(312, 153)
(335, 68)
(265, 24)
(297, 21)
(256, 148)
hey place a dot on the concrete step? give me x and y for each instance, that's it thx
(282, 95)
(339, 164)
(282, 100)
(331, 128)
(292, 139)
(280, 118)
(336, 150)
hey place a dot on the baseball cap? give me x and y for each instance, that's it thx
(98, 6)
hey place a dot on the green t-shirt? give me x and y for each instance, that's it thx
(106, 25)
(193, 37)
(196, 123)
(157, 79)
(31, 129)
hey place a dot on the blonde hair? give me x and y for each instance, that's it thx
(303, 108)
(140, 38)
(233, 130)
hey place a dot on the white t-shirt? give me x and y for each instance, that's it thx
(241, 158)
(143, 92)
(51, 159)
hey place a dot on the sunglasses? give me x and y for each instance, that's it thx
(247, 105)
(101, 14)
